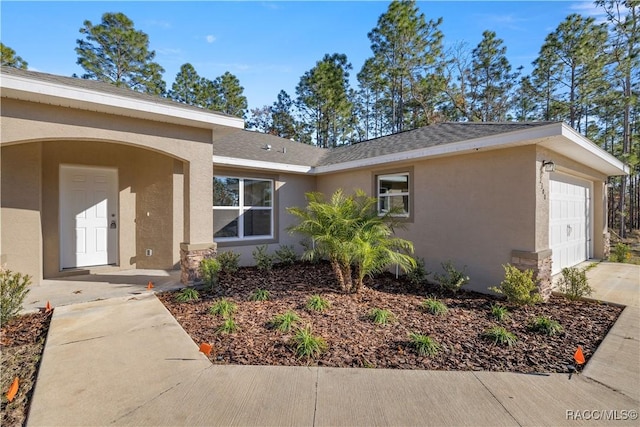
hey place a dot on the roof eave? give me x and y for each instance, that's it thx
(261, 165)
(26, 89)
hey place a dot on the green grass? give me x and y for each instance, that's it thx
(260, 295)
(424, 345)
(317, 303)
(307, 345)
(499, 312)
(434, 306)
(499, 335)
(285, 321)
(229, 326)
(545, 325)
(380, 316)
(223, 307)
(187, 295)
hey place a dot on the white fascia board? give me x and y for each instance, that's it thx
(512, 139)
(261, 165)
(612, 165)
(76, 97)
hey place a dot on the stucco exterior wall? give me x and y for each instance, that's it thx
(471, 209)
(290, 190)
(20, 226)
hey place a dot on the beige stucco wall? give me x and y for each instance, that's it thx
(290, 190)
(472, 209)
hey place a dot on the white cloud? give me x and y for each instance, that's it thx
(210, 38)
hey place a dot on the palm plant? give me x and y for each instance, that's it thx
(349, 232)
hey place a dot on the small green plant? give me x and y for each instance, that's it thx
(380, 316)
(228, 326)
(545, 325)
(621, 253)
(285, 321)
(499, 312)
(209, 270)
(418, 274)
(452, 279)
(260, 295)
(187, 295)
(518, 286)
(499, 335)
(263, 260)
(223, 307)
(317, 303)
(229, 262)
(424, 345)
(574, 283)
(308, 345)
(286, 255)
(434, 306)
(13, 291)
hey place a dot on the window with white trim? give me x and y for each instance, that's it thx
(393, 193)
(242, 208)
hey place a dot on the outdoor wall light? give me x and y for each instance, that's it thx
(548, 166)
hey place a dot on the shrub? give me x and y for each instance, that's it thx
(452, 279)
(308, 345)
(518, 286)
(574, 284)
(187, 295)
(229, 261)
(209, 269)
(499, 335)
(381, 317)
(283, 322)
(317, 303)
(260, 295)
(418, 274)
(286, 255)
(621, 252)
(434, 306)
(424, 345)
(228, 326)
(263, 260)
(13, 291)
(223, 307)
(499, 312)
(545, 325)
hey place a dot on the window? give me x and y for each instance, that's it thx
(242, 208)
(393, 193)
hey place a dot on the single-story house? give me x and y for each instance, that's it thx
(93, 175)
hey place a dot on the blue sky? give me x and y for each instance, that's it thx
(268, 45)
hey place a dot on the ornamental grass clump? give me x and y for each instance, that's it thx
(518, 286)
(307, 345)
(228, 326)
(187, 295)
(317, 303)
(499, 312)
(260, 295)
(285, 321)
(435, 307)
(223, 307)
(499, 335)
(380, 316)
(424, 345)
(545, 325)
(574, 283)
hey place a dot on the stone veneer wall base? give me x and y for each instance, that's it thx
(190, 257)
(540, 263)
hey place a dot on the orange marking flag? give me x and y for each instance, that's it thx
(205, 348)
(578, 356)
(150, 285)
(13, 390)
(47, 308)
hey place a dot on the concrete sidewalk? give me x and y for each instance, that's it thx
(126, 361)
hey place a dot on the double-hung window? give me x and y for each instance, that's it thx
(393, 194)
(242, 208)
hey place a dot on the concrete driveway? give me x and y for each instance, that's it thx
(616, 282)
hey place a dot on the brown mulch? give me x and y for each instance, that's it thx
(22, 341)
(355, 341)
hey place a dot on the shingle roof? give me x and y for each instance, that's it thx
(98, 86)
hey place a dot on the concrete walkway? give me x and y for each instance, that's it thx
(126, 361)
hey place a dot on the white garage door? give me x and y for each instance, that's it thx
(569, 221)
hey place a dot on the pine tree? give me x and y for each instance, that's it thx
(10, 59)
(230, 95)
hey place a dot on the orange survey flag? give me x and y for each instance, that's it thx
(205, 348)
(578, 356)
(47, 308)
(150, 285)
(13, 390)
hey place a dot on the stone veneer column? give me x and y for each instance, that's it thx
(190, 257)
(606, 243)
(540, 263)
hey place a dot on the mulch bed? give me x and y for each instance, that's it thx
(355, 341)
(22, 341)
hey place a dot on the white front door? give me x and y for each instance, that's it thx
(88, 216)
(569, 221)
